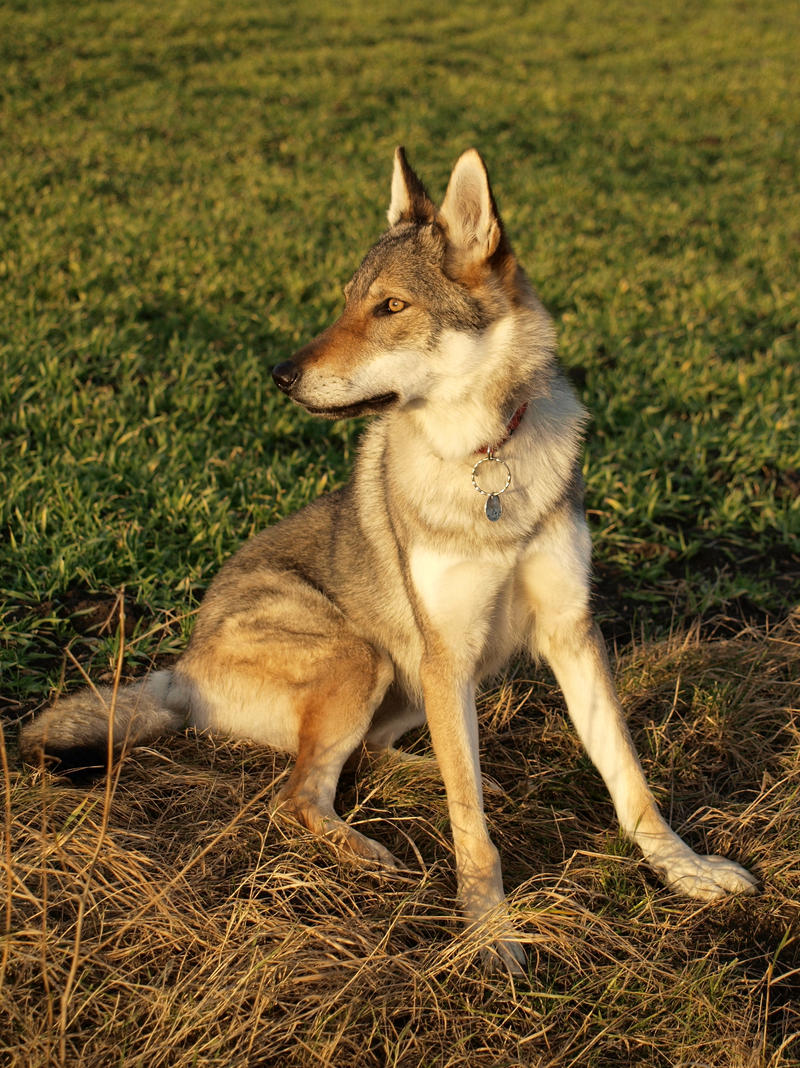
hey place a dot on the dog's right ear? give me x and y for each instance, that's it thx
(410, 201)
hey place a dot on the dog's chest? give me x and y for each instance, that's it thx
(459, 594)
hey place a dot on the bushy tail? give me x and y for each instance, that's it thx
(75, 730)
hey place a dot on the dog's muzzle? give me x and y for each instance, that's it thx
(285, 375)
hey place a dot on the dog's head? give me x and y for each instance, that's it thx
(420, 306)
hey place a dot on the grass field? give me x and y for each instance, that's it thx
(184, 190)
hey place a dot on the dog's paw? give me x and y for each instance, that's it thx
(366, 849)
(322, 820)
(505, 955)
(706, 878)
(497, 940)
(349, 842)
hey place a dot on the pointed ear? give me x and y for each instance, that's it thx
(468, 212)
(410, 201)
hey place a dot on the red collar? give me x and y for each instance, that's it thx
(516, 419)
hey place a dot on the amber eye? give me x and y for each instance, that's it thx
(390, 306)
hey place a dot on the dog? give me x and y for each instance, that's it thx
(459, 541)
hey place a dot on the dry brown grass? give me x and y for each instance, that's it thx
(164, 918)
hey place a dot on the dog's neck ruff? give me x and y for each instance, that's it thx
(493, 509)
(514, 422)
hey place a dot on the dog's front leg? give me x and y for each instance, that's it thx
(453, 722)
(571, 642)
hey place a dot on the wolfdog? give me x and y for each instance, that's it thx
(459, 541)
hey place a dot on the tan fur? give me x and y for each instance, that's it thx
(386, 603)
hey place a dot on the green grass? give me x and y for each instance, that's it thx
(184, 190)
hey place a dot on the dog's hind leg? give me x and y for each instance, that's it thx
(273, 659)
(571, 642)
(334, 720)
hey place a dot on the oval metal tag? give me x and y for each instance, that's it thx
(493, 508)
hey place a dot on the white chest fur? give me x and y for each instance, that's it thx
(458, 594)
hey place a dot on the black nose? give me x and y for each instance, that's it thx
(285, 375)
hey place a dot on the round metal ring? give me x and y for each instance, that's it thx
(492, 460)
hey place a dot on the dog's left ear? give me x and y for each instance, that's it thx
(410, 201)
(469, 213)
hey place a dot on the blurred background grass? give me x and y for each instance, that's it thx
(185, 188)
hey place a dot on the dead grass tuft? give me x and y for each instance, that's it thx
(165, 918)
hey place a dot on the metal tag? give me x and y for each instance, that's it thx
(493, 508)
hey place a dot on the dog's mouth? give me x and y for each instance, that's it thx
(368, 406)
